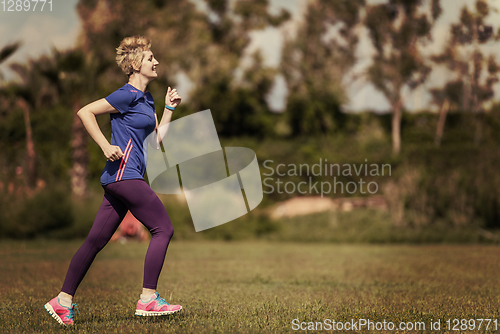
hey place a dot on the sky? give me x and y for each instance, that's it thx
(39, 31)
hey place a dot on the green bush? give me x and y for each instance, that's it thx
(455, 186)
(48, 211)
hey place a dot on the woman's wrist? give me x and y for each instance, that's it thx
(169, 108)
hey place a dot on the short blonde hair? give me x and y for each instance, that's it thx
(129, 53)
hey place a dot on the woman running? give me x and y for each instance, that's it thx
(133, 118)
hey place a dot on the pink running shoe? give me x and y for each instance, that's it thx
(64, 315)
(156, 306)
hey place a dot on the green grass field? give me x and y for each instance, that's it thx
(254, 287)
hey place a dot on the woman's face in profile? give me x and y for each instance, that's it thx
(148, 66)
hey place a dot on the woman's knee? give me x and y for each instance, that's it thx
(171, 232)
(165, 231)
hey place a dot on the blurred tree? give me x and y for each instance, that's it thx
(64, 79)
(73, 77)
(474, 72)
(27, 96)
(6, 52)
(238, 108)
(6, 101)
(445, 107)
(316, 60)
(236, 95)
(396, 30)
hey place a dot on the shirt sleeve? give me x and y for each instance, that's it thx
(121, 99)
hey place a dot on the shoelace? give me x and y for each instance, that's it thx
(72, 311)
(161, 301)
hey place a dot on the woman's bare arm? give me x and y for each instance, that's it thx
(88, 116)
(172, 99)
(162, 128)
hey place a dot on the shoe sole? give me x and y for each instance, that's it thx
(53, 313)
(142, 313)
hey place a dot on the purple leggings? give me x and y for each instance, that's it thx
(140, 199)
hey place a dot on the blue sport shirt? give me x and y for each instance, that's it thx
(129, 128)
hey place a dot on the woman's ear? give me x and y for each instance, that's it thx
(136, 68)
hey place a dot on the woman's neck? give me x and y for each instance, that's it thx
(138, 81)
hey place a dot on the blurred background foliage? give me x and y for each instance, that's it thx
(444, 180)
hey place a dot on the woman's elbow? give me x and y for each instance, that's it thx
(83, 112)
(80, 112)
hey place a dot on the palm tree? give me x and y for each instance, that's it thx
(22, 95)
(26, 96)
(7, 51)
(73, 77)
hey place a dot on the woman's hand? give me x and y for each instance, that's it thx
(112, 152)
(172, 99)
